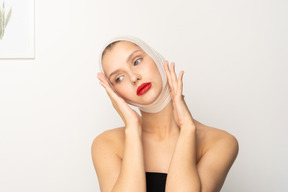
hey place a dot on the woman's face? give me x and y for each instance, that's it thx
(128, 67)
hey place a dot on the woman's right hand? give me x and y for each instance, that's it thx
(128, 115)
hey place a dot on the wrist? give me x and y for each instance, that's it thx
(189, 126)
(133, 129)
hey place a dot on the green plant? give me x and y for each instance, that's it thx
(4, 19)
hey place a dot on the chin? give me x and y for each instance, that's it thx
(152, 100)
(149, 99)
(144, 99)
(143, 102)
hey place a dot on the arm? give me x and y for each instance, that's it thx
(183, 174)
(210, 172)
(116, 175)
(217, 161)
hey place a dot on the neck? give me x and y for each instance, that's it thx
(161, 124)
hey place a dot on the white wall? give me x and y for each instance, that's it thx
(234, 54)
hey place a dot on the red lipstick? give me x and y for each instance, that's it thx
(143, 88)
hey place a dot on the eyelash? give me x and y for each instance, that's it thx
(137, 60)
(117, 81)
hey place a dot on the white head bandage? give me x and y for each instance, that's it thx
(164, 97)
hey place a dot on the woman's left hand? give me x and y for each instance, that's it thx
(181, 112)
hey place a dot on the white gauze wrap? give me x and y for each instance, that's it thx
(164, 97)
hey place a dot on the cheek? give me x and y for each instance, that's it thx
(150, 68)
(156, 74)
(157, 77)
(153, 73)
(122, 90)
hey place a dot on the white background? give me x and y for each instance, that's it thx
(234, 54)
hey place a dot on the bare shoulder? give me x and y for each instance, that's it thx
(112, 139)
(111, 134)
(105, 150)
(219, 151)
(215, 138)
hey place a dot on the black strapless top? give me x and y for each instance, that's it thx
(155, 182)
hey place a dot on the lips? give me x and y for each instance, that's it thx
(143, 88)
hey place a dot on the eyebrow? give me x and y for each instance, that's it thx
(129, 57)
(116, 71)
(132, 54)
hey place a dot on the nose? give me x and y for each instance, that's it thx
(135, 76)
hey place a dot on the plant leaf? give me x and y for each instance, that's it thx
(8, 17)
(1, 24)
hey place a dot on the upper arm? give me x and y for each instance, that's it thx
(106, 163)
(216, 163)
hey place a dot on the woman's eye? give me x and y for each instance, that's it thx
(137, 61)
(119, 79)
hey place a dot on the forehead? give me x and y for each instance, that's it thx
(117, 55)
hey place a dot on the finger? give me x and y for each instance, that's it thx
(173, 75)
(180, 82)
(108, 90)
(114, 98)
(104, 82)
(102, 77)
(168, 73)
(166, 67)
(120, 105)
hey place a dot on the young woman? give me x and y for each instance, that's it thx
(164, 149)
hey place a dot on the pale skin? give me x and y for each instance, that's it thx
(196, 157)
